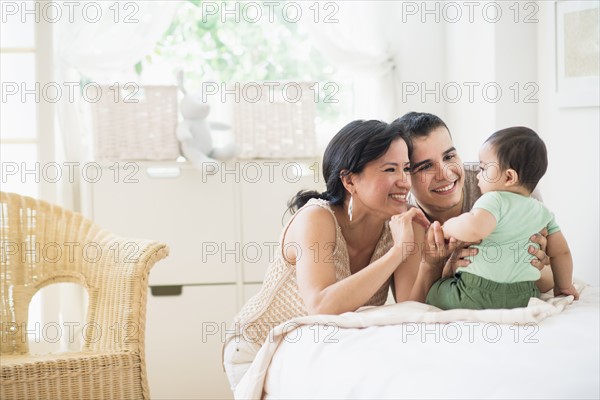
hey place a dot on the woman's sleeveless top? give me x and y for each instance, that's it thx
(279, 300)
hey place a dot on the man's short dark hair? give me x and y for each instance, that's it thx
(416, 125)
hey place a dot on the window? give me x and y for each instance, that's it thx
(233, 46)
(27, 120)
(26, 127)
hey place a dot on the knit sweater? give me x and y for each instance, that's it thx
(279, 300)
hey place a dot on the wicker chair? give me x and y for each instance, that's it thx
(111, 364)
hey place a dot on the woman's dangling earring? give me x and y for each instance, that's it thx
(350, 206)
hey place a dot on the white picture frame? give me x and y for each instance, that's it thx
(577, 53)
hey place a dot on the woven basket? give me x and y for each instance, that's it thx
(138, 124)
(273, 126)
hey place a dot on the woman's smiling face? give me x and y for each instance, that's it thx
(437, 173)
(384, 183)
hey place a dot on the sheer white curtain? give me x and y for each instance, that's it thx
(101, 43)
(118, 39)
(354, 37)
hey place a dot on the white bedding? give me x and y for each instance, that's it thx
(411, 350)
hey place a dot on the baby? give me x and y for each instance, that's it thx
(511, 163)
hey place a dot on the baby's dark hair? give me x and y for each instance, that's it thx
(521, 149)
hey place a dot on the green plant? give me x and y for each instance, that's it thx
(238, 50)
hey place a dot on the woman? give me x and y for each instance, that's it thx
(338, 251)
(443, 187)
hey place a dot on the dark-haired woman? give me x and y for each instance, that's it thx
(341, 248)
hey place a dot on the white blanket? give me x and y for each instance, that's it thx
(413, 350)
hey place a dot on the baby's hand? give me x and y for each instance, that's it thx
(570, 291)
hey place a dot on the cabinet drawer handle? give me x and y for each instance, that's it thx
(163, 172)
(174, 290)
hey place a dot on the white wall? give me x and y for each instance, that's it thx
(494, 53)
(469, 62)
(571, 184)
(466, 53)
(420, 57)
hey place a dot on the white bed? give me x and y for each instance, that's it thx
(553, 352)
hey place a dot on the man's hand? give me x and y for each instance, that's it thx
(541, 258)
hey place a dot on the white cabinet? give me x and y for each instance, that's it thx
(184, 336)
(250, 289)
(194, 214)
(222, 230)
(264, 210)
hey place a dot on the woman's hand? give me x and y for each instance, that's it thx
(434, 254)
(541, 258)
(402, 229)
(436, 251)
